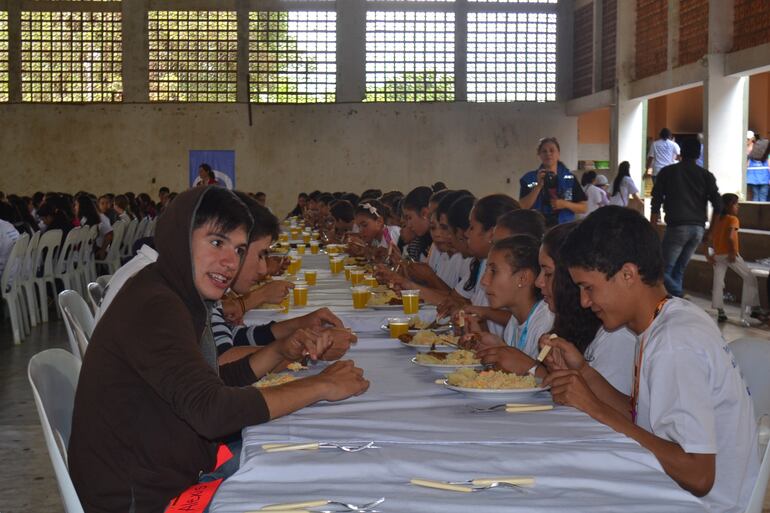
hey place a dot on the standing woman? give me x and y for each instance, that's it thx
(623, 186)
(552, 189)
(85, 210)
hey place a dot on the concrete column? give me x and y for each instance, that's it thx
(724, 105)
(351, 50)
(136, 70)
(461, 48)
(627, 140)
(724, 119)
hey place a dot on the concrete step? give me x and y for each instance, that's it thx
(699, 277)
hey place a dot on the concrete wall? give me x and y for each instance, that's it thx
(681, 112)
(594, 135)
(289, 149)
(759, 103)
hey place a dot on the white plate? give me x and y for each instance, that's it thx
(441, 368)
(442, 348)
(385, 307)
(504, 394)
(441, 329)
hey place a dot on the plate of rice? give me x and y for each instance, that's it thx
(492, 384)
(447, 362)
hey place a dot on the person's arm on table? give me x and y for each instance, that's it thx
(317, 319)
(422, 273)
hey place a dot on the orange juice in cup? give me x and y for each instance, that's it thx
(283, 237)
(398, 326)
(332, 249)
(294, 233)
(411, 301)
(336, 264)
(360, 296)
(314, 247)
(348, 269)
(310, 277)
(295, 265)
(315, 235)
(357, 277)
(306, 237)
(285, 304)
(300, 294)
(370, 280)
(300, 249)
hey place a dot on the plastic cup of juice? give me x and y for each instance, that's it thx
(357, 277)
(285, 304)
(360, 296)
(336, 264)
(283, 237)
(332, 249)
(315, 235)
(314, 247)
(300, 249)
(300, 294)
(310, 277)
(411, 301)
(398, 326)
(348, 270)
(306, 237)
(370, 280)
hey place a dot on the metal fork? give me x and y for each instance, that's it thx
(497, 407)
(292, 506)
(318, 445)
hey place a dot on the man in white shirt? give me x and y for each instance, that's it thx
(663, 152)
(8, 237)
(689, 405)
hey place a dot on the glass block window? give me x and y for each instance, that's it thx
(193, 56)
(3, 56)
(511, 57)
(516, 1)
(410, 56)
(292, 56)
(71, 57)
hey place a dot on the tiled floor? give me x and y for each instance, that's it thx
(28, 481)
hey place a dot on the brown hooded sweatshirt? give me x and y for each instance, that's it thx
(149, 408)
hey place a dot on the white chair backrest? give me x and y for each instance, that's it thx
(103, 280)
(151, 228)
(128, 238)
(77, 315)
(69, 251)
(118, 231)
(141, 229)
(95, 295)
(46, 248)
(13, 270)
(30, 256)
(53, 376)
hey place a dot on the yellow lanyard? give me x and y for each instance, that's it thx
(638, 363)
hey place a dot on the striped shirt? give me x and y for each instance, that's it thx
(226, 335)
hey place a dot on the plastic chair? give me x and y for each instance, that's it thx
(27, 278)
(12, 291)
(77, 316)
(53, 376)
(753, 358)
(127, 244)
(69, 257)
(46, 250)
(141, 229)
(95, 295)
(89, 256)
(103, 280)
(112, 260)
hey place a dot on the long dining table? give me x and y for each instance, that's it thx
(421, 429)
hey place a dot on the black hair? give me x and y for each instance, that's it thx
(438, 186)
(260, 193)
(264, 222)
(302, 195)
(371, 194)
(164, 190)
(87, 209)
(437, 196)
(325, 198)
(224, 210)
(690, 149)
(390, 198)
(37, 199)
(397, 208)
(488, 209)
(351, 197)
(314, 195)
(8, 213)
(611, 237)
(572, 322)
(521, 252)
(382, 211)
(459, 212)
(728, 200)
(624, 170)
(343, 210)
(588, 177)
(337, 195)
(523, 222)
(208, 170)
(417, 199)
(665, 133)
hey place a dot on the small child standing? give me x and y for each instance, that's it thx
(726, 254)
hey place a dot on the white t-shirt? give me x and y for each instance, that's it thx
(104, 228)
(435, 256)
(451, 270)
(691, 392)
(144, 257)
(8, 237)
(394, 232)
(465, 274)
(612, 355)
(596, 198)
(538, 324)
(626, 189)
(663, 153)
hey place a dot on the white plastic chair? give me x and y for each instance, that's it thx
(129, 236)
(46, 250)
(27, 278)
(112, 260)
(103, 280)
(753, 358)
(150, 231)
(78, 320)
(95, 295)
(89, 256)
(53, 376)
(69, 257)
(12, 291)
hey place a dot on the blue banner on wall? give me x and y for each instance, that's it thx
(222, 162)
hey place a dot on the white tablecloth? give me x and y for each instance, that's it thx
(424, 430)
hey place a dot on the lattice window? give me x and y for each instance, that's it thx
(71, 57)
(511, 57)
(516, 1)
(292, 56)
(410, 56)
(193, 56)
(3, 56)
